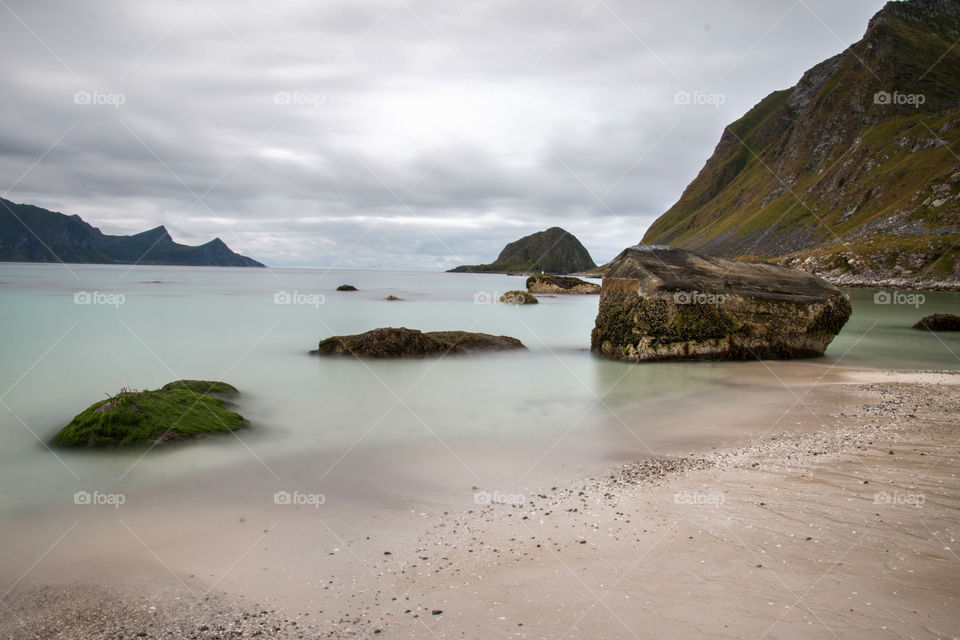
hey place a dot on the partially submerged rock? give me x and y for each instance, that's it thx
(518, 297)
(663, 303)
(178, 410)
(346, 287)
(939, 322)
(392, 298)
(403, 343)
(560, 284)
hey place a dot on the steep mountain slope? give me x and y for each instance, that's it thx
(32, 234)
(552, 251)
(854, 172)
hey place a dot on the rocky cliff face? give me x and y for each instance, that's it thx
(32, 234)
(553, 251)
(853, 173)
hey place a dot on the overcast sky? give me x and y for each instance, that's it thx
(387, 134)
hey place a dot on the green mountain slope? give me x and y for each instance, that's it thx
(854, 172)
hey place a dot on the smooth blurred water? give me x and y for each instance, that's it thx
(59, 356)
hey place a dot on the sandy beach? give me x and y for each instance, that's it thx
(837, 519)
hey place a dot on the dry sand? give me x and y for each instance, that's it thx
(842, 525)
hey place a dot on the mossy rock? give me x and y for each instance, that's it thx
(177, 411)
(400, 342)
(939, 322)
(519, 297)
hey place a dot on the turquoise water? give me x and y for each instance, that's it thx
(142, 327)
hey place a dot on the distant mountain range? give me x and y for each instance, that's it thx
(854, 172)
(32, 234)
(553, 251)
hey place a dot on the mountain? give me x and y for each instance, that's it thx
(552, 251)
(32, 234)
(854, 172)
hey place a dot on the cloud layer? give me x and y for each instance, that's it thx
(396, 134)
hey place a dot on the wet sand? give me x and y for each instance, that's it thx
(831, 511)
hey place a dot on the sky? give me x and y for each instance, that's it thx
(395, 134)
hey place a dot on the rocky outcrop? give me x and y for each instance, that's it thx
(518, 297)
(663, 303)
(551, 251)
(405, 343)
(560, 284)
(939, 322)
(850, 174)
(180, 410)
(346, 287)
(32, 234)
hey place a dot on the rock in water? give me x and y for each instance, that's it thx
(663, 303)
(179, 410)
(518, 297)
(346, 287)
(560, 284)
(939, 322)
(404, 343)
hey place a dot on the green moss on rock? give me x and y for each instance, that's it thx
(179, 410)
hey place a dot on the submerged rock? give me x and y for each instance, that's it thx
(518, 297)
(179, 410)
(402, 342)
(346, 287)
(939, 322)
(663, 303)
(560, 284)
(392, 298)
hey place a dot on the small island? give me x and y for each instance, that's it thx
(177, 411)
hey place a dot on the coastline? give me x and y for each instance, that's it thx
(811, 528)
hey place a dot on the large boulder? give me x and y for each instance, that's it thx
(402, 342)
(560, 284)
(518, 297)
(663, 303)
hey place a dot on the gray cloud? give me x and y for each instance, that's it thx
(300, 126)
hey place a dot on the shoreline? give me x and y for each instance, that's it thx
(767, 539)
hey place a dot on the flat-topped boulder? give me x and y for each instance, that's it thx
(664, 303)
(401, 342)
(561, 284)
(939, 322)
(177, 411)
